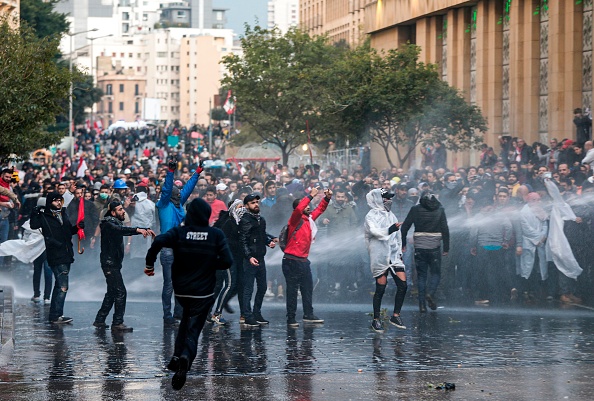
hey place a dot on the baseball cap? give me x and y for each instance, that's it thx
(250, 198)
(221, 187)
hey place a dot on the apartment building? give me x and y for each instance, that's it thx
(283, 14)
(123, 95)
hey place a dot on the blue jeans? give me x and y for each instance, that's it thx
(428, 264)
(166, 262)
(298, 277)
(40, 264)
(251, 274)
(61, 273)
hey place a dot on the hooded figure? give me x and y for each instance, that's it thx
(198, 252)
(535, 228)
(384, 244)
(144, 216)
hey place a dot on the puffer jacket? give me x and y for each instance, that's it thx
(431, 225)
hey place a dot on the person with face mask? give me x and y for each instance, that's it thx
(171, 213)
(112, 255)
(431, 229)
(57, 233)
(449, 195)
(384, 244)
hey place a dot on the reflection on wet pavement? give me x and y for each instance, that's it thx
(277, 362)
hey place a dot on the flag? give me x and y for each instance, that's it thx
(81, 217)
(229, 105)
(63, 172)
(82, 166)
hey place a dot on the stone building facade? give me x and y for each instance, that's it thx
(342, 20)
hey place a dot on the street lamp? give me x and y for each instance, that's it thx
(93, 74)
(70, 130)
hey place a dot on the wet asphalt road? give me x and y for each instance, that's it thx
(503, 354)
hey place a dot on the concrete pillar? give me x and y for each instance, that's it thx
(428, 38)
(459, 49)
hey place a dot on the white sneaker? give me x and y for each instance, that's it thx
(47, 302)
(269, 293)
(36, 299)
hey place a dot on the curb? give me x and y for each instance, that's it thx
(6, 324)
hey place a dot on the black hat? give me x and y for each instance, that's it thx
(402, 185)
(387, 194)
(113, 205)
(250, 198)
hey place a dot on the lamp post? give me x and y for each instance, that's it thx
(92, 72)
(70, 130)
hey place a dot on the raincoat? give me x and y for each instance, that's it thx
(144, 216)
(385, 249)
(558, 248)
(534, 231)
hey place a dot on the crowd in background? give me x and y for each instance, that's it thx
(501, 212)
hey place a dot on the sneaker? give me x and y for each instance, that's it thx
(431, 302)
(219, 319)
(121, 328)
(482, 302)
(101, 325)
(179, 378)
(47, 301)
(173, 364)
(312, 319)
(241, 320)
(250, 321)
(377, 326)
(209, 319)
(291, 322)
(396, 321)
(269, 293)
(260, 319)
(36, 299)
(62, 320)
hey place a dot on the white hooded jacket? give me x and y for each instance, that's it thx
(144, 217)
(385, 249)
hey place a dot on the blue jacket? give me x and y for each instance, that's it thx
(169, 215)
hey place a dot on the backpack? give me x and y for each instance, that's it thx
(283, 238)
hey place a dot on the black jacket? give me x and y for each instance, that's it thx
(91, 216)
(57, 236)
(253, 237)
(198, 252)
(428, 217)
(112, 241)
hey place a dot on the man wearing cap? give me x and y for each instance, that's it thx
(253, 240)
(171, 213)
(112, 255)
(57, 233)
(222, 192)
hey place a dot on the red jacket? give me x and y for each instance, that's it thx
(299, 244)
(216, 206)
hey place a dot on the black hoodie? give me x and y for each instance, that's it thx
(429, 219)
(198, 251)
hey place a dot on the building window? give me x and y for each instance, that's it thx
(181, 14)
(125, 16)
(136, 107)
(145, 17)
(219, 15)
(125, 28)
(121, 106)
(121, 88)
(110, 107)
(161, 54)
(109, 89)
(136, 90)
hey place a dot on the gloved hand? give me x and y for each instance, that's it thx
(200, 169)
(394, 227)
(81, 224)
(172, 165)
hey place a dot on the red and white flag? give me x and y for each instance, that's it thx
(229, 105)
(82, 166)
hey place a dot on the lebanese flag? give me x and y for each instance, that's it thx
(81, 217)
(229, 105)
(82, 166)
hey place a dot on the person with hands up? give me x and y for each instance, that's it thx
(301, 232)
(170, 207)
(112, 255)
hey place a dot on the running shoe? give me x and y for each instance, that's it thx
(260, 319)
(396, 321)
(250, 321)
(312, 319)
(62, 320)
(269, 293)
(292, 322)
(377, 326)
(36, 299)
(219, 319)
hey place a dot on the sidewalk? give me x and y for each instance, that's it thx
(6, 324)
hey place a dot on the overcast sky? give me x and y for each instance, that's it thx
(242, 11)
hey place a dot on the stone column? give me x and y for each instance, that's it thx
(458, 62)
(428, 38)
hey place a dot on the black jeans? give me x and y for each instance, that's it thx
(115, 295)
(195, 311)
(61, 273)
(428, 264)
(251, 274)
(39, 265)
(298, 277)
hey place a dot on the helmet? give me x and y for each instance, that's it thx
(120, 184)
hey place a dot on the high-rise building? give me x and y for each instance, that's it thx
(283, 14)
(341, 20)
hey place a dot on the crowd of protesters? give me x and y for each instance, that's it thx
(500, 212)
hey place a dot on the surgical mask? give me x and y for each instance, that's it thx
(103, 196)
(451, 184)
